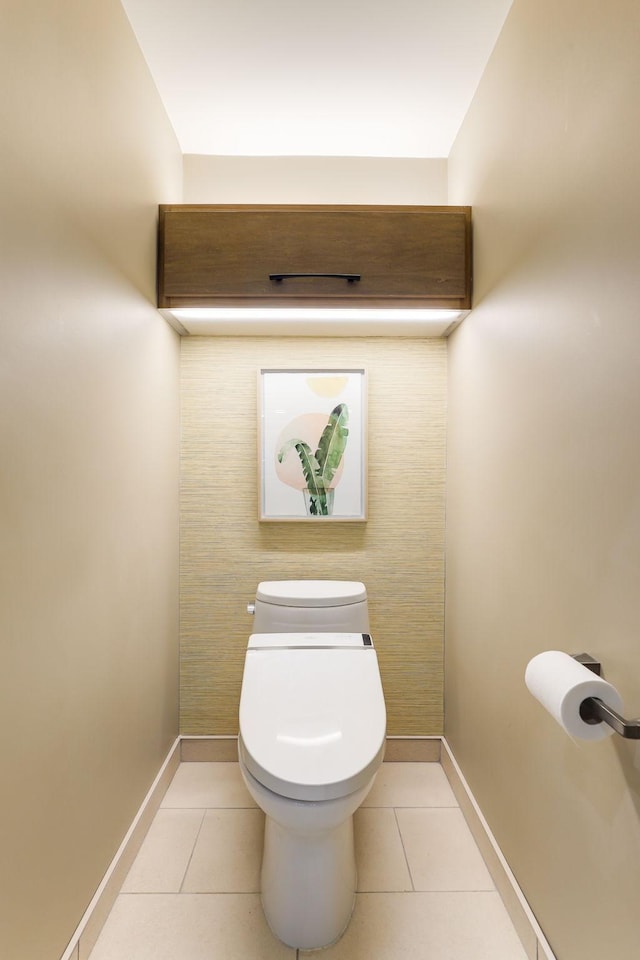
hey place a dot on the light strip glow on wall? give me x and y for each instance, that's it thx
(314, 321)
(194, 314)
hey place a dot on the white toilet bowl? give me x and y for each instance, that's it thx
(312, 731)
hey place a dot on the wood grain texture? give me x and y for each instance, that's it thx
(224, 255)
(398, 553)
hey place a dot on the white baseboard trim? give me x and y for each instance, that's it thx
(527, 927)
(88, 930)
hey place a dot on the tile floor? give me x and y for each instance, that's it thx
(424, 892)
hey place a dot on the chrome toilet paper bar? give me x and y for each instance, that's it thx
(594, 710)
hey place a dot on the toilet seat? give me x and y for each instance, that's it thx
(312, 714)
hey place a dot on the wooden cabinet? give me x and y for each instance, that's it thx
(374, 256)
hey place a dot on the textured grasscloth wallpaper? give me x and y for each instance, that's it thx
(398, 553)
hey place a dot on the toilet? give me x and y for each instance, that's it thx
(312, 735)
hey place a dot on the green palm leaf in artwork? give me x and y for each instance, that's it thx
(332, 443)
(319, 468)
(310, 466)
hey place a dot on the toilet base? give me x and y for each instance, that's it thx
(308, 864)
(308, 883)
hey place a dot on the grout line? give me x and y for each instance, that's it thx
(190, 893)
(214, 807)
(412, 806)
(406, 859)
(195, 843)
(255, 893)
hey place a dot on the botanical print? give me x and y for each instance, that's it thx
(312, 444)
(319, 469)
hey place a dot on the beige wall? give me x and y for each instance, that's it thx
(88, 462)
(543, 509)
(398, 553)
(314, 180)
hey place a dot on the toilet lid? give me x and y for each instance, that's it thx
(311, 593)
(312, 719)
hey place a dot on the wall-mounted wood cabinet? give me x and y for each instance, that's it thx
(246, 255)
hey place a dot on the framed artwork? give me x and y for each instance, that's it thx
(312, 444)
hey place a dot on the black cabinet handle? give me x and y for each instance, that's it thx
(349, 277)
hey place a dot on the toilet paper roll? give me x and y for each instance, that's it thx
(561, 683)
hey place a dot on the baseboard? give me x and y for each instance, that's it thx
(88, 930)
(527, 927)
(224, 749)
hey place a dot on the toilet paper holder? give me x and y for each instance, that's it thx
(594, 710)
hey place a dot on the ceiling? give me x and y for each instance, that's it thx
(374, 78)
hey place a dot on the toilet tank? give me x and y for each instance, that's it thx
(320, 606)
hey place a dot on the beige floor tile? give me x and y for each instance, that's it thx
(163, 858)
(411, 785)
(188, 927)
(208, 785)
(380, 857)
(228, 853)
(441, 851)
(427, 926)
